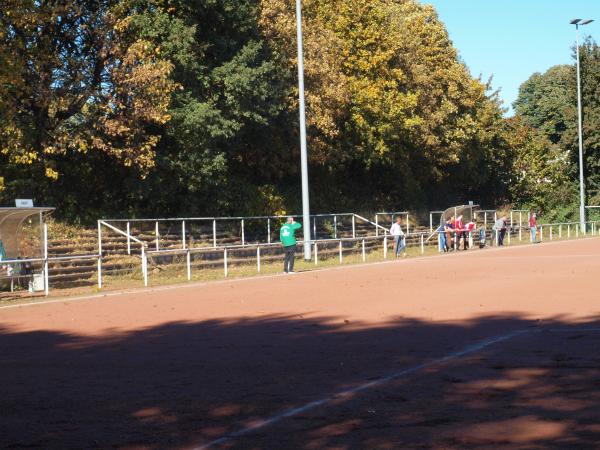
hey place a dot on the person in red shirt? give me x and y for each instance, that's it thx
(470, 227)
(461, 232)
(533, 226)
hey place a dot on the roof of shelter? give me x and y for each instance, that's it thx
(11, 224)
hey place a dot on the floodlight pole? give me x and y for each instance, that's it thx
(303, 150)
(578, 22)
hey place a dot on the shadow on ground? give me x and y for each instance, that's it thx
(183, 384)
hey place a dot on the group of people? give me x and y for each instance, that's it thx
(453, 232)
(451, 235)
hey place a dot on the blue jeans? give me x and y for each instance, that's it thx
(533, 231)
(442, 241)
(399, 241)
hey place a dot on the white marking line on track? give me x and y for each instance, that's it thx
(135, 291)
(363, 387)
(571, 330)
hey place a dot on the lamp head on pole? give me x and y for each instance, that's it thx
(578, 22)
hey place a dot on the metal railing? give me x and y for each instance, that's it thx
(130, 238)
(215, 221)
(550, 231)
(46, 260)
(392, 215)
(227, 249)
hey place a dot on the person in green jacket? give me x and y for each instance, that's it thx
(287, 236)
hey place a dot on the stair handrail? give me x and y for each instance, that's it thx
(376, 225)
(127, 235)
(143, 256)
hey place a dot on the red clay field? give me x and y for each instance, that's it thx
(491, 349)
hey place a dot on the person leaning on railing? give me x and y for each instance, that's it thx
(450, 233)
(398, 234)
(499, 230)
(461, 233)
(533, 227)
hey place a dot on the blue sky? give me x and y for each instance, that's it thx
(512, 39)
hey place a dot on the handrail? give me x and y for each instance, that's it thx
(49, 259)
(171, 219)
(123, 233)
(273, 244)
(372, 223)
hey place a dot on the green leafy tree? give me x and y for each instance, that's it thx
(75, 79)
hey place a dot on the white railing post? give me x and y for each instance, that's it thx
(407, 224)
(268, 230)
(541, 233)
(100, 237)
(225, 261)
(497, 239)
(183, 243)
(353, 226)
(385, 249)
(520, 225)
(128, 239)
(188, 261)
(99, 272)
(156, 234)
(46, 276)
(422, 245)
(315, 252)
(551, 232)
(377, 225)
(335, 227)
(315, 227)
(258, 258)
(341, 256)
(568, 231)
(144, 266)
(100, 252)
(214, 233)
(431, 222)
(243, 234)
(364, 256)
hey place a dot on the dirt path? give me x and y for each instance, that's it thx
(177, 368)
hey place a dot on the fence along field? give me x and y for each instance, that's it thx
(136, 252)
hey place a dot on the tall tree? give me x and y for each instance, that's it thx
(75, 79)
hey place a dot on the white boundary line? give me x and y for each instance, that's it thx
(571, 330)
(357, 389)
(197, 284)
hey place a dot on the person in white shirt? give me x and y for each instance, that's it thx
(398, 234)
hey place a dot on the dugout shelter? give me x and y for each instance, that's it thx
(21, 237)
(469, 213)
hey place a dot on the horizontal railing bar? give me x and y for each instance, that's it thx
(50, 259)
(274, 244)
(171, 219)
